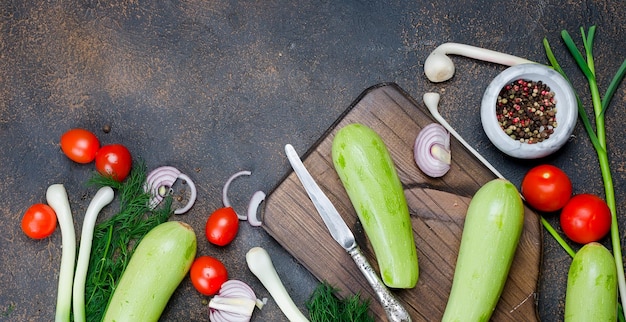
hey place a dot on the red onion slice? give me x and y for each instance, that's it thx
(235, 302)
(192, 197)
(432, 150)
(253, 206)
(225, 200)
(159, 183)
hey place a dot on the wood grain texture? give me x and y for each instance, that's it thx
(437, 208)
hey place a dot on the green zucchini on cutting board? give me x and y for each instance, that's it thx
(370, 178)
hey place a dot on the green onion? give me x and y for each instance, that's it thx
(597, 136)
(56, 196)
(103, 197)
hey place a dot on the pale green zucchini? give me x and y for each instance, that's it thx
(369, 176)
(491, 233)
(156, 268)
(591, 286)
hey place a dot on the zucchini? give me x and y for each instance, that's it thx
(491, 233)
(156, 268)
(369, 176)
(591, 285)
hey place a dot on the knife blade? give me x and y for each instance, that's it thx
(335, 224)
(343, 235)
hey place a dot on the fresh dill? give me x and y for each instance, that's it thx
(116, 237)
(325, 306)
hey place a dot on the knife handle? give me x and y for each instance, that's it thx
(394, 309)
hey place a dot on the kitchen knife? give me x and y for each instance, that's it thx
(342, 234)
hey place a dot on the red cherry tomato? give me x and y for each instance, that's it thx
(208, 274)
(546, 188)
(222, 226)
(114, 160)
(39, 221)
(586, 218)
(80, 145)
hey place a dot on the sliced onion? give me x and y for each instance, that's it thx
(159, 184)
(225, 199)
(235, 302)
(236, 288)
(432, 150)
(192, 196)
(253, 206)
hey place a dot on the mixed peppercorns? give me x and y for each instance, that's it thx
(526, 111)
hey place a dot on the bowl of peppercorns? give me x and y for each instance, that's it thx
(529, 111)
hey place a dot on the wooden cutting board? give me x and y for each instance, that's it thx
(437, 208)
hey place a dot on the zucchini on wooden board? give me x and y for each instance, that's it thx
(493, 226)
(369, 176)
(437, 208)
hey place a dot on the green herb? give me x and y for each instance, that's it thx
(8, 310)
(597, 136)
(116, 237)
(325, 306)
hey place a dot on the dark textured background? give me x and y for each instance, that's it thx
(215, 87)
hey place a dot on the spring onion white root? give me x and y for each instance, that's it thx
(438, 67)
(261, 265)
(103, 197)
(56, 196)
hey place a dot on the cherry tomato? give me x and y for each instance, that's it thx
(222, 226)
(586, 218)
(114, 160)
(80, 145)
(208, 274)
(39, 221)
(546, 188)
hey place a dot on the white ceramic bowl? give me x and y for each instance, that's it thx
(566, 111)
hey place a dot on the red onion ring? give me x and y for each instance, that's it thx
(192, 196)
(432, 150)
(225, 200)
(232, 289)
(159, 183)
(253, 206)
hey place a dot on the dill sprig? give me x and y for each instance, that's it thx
(116, 237)
(325, 306)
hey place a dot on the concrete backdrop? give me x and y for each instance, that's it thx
(215, 87)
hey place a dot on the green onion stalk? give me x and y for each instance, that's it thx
(597, 136)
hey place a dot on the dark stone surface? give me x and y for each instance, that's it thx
(217, 87)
